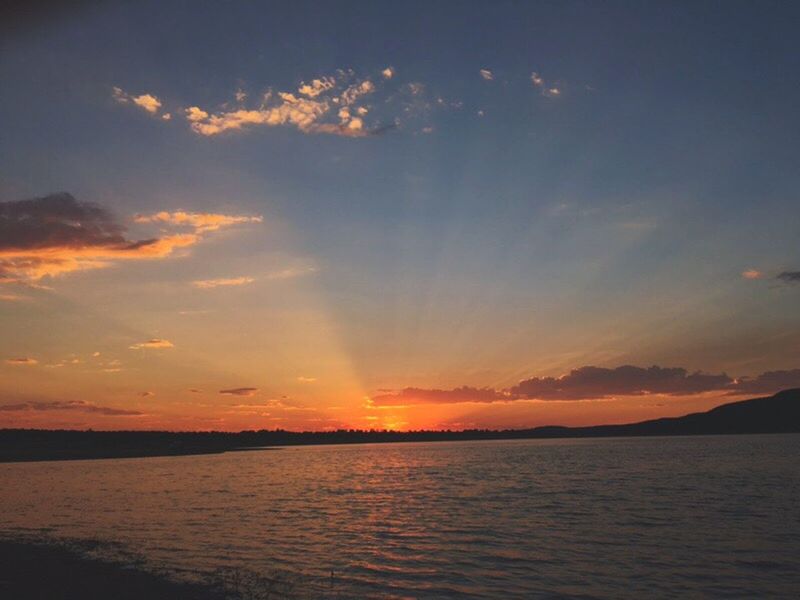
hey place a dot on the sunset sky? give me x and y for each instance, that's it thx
(402, 215)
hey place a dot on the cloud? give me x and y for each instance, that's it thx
(152, 343)
(146, 394)
(317, 87)
(752, 274)
(598, 382)
(200, 222)
(68, 405)
(302, 379)
(315, 108)
(12, 298)
(241, 391)
(594, 383)
(547, 90)
(487, 74)
(22, 361)
(57, 234)
(767, 382)
(410, 395)
(789, 277)
(147, 102)
(213, 283)
(290, 273)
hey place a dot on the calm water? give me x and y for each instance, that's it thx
(666, 517)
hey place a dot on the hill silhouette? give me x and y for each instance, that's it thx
(774, 414)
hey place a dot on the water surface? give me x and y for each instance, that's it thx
(605, 518)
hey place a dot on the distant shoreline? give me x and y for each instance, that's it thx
(775, 414)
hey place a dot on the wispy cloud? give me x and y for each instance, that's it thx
(147, 102)
(200, 222)
(487, 74)
(240, 391)
(752, 274)
(290, 273)
(69, 405)
(154, 343)
(213, 283)
(302, 379)
(789, 277)
(22, 361)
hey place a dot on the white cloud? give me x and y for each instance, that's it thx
(487, 74)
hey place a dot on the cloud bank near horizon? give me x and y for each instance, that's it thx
(598, 383)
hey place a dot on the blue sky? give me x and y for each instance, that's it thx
(592, 198)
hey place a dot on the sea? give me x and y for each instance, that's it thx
(671, 517)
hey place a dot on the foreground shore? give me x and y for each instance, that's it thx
(33, 571)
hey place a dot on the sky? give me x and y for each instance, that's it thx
(395, 215)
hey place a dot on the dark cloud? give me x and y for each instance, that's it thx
(767, 382)
(789, 276)
(594, 383)
(242, 391)
(73, 405)
(58, 220)
(598, 382)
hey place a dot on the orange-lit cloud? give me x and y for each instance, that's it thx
(22, 361)
(241, 391)
(200, 222)
(146, 102)
(302, 379)
(154, 343)
(57, 234)
(326, 105)
(752, 274)
(213, 283)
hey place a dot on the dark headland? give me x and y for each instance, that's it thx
(774, 414)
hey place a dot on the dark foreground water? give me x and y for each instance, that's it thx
(605, 518)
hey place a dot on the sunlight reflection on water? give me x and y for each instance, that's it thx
(655, 517)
